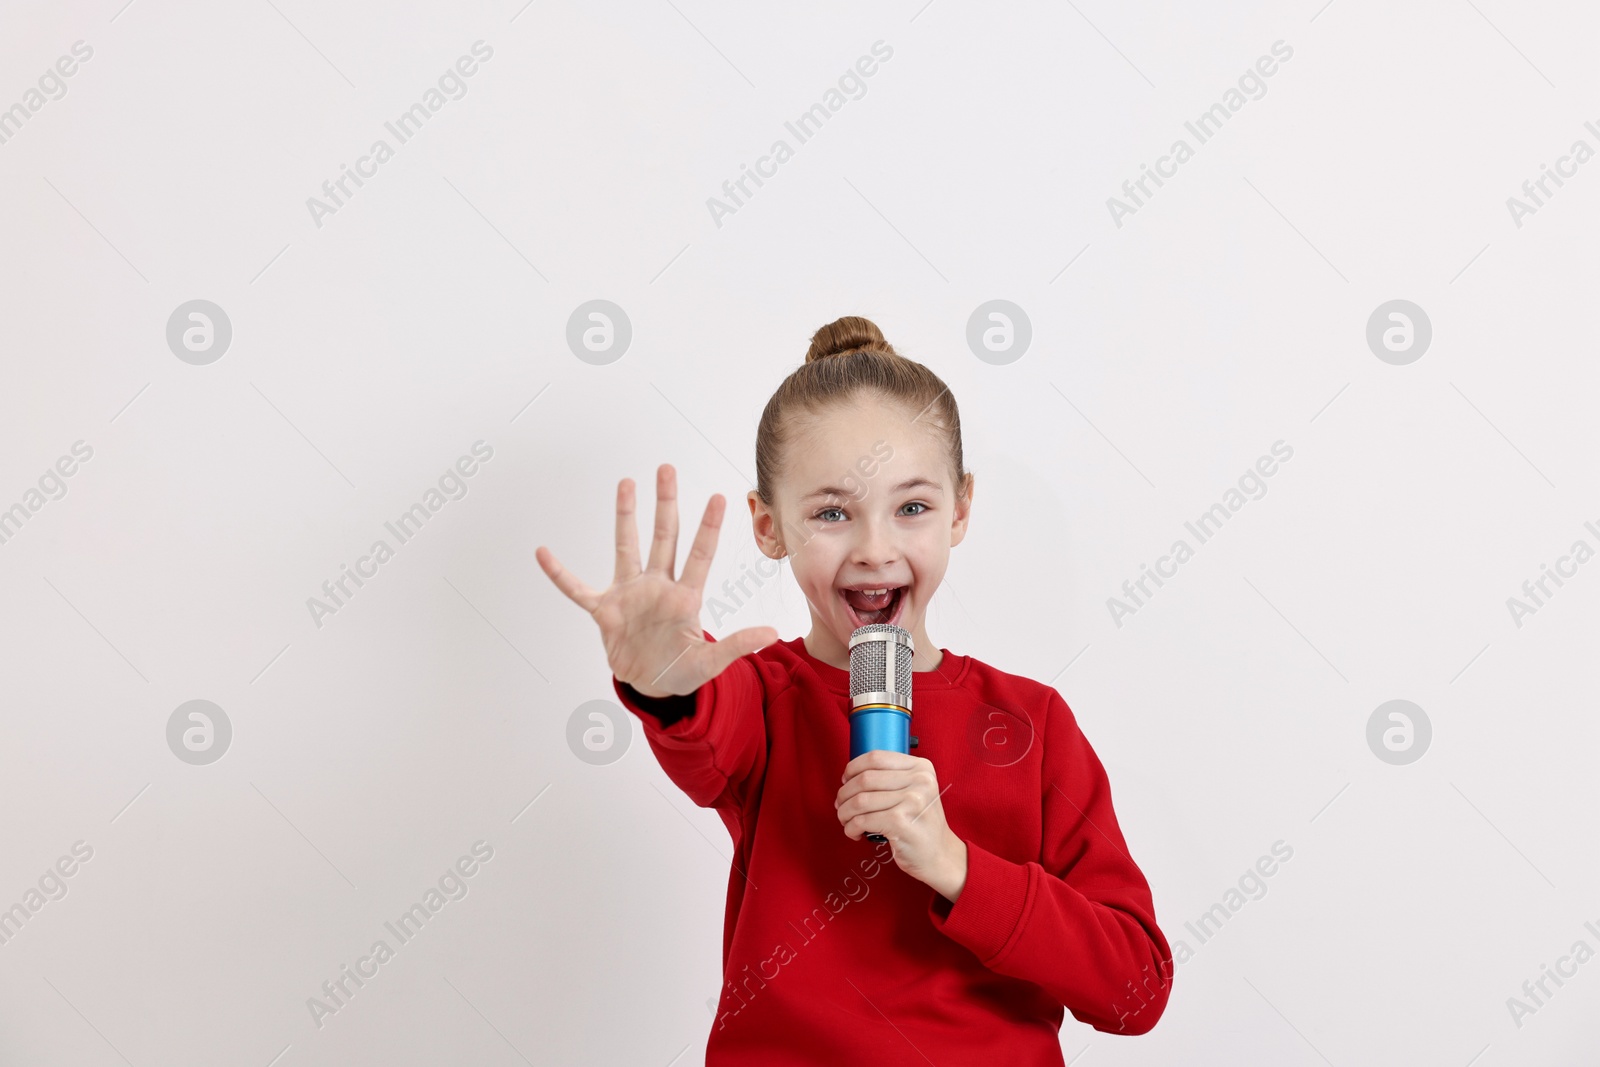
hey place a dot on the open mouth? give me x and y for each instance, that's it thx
(868, 606)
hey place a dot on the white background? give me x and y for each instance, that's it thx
(1168, 354)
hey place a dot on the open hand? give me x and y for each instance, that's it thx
(649, 621)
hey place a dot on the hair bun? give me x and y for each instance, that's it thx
(847, 334)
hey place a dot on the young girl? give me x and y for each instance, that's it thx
(1004, 890)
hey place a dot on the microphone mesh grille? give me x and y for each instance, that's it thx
(869, 664)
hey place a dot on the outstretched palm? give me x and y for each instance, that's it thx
(650, 621)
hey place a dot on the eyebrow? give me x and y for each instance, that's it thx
(909, 483)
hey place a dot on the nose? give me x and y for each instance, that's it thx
(875, 547)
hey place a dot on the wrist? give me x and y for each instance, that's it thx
(952, 878)
(645, 691)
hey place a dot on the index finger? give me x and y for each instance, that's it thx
(705, 544)
(879, 758)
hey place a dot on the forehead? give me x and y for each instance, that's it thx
(852, 440)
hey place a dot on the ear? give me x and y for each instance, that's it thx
(963, 511)
(764, 525)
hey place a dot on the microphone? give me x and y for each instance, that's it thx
(880, 692)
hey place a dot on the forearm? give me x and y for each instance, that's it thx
(1024, 922)
(711, 743)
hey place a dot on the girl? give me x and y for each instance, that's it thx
(1004, 891)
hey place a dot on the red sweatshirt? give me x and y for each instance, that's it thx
(832, 954)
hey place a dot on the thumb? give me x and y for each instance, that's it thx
(740, 643)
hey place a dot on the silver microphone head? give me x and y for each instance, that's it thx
(880, 666)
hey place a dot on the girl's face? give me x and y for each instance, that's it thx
(865, 501)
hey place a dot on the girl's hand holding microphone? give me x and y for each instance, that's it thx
(650, 621)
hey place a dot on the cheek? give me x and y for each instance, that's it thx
(817, 566)
(815, 581)
(927, 570)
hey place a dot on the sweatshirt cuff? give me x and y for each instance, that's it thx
(991, 908)
(683, 717)
(667, 710)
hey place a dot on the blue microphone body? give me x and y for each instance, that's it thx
(880, 692)
(879, 727)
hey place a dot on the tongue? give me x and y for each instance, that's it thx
(871, 608)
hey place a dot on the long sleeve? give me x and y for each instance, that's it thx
(711, 743)
(666, 710)
(1080, 922)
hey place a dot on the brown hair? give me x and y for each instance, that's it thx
(848, 357)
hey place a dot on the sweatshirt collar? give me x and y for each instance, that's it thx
(952, 668)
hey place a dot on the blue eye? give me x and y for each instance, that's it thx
(824, 511)
(917, 504)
